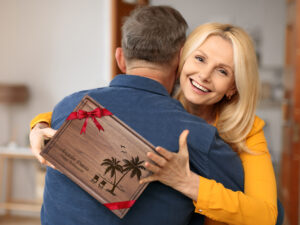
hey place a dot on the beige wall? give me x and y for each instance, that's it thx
(55, 47)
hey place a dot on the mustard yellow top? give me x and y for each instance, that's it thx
(256, 206)
(42, 117)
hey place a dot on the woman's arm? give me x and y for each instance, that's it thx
(41, 118)
(40, 132)
(258, 203)
(256, 206)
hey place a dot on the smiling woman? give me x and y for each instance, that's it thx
(219, 82)
(221, 59)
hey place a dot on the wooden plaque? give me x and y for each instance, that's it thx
(106, 163)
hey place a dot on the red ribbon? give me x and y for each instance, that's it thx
(119, 205)
(81, 114)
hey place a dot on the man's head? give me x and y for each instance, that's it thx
(154, 34)
(152, 37)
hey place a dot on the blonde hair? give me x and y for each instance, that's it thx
(235, 115)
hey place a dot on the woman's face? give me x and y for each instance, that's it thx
(208, 73)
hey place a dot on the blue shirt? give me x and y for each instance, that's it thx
(145, 105)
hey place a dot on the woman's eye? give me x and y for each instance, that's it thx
(223, 71)
(199, 58)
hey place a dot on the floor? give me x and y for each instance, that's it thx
(19, 221)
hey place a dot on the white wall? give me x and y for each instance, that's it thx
(55, 47)
(264, 16)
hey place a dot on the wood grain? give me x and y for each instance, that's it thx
(96, 160)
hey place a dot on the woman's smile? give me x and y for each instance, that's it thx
(198, 88)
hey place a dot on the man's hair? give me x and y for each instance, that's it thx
(154, 34)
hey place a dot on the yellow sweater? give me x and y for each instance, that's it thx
(256, 206)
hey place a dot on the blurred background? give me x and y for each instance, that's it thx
(51, 48)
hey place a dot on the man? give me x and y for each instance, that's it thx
(151, 41)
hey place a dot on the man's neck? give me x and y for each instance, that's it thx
(163, 75)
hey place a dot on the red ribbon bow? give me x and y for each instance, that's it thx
(119, 205)
(81, 114)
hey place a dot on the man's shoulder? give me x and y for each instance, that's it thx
(76, 97)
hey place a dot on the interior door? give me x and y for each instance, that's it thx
(120, 9)
(290, 176)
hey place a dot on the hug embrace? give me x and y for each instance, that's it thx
(221, 171)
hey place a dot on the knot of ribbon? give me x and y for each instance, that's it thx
(81, 114)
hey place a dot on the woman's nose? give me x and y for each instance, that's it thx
(205, 75)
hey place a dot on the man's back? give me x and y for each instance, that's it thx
(145, 106)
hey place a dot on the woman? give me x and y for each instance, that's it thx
(219, 82)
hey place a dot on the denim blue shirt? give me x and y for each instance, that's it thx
(145, 105)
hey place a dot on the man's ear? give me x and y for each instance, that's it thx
(120, 59)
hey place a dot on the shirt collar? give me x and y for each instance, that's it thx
(139, 82)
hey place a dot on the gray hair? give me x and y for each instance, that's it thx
(154, 34)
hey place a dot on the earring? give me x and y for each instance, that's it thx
(228, 97)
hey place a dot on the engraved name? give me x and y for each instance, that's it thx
(76, 163)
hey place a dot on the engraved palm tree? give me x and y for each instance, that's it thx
(113, 166)
(135, 166)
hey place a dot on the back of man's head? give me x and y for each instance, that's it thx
(154, 34)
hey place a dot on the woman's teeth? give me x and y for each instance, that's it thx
(199, 86)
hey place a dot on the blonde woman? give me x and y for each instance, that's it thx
(219, 82)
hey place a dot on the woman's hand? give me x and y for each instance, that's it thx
(39, 133)
(173, 169)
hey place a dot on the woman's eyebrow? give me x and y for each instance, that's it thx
(225, 65)
(201, 52)
(219, 64)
